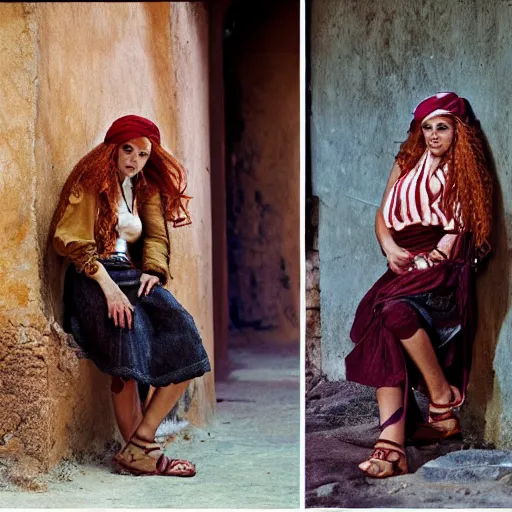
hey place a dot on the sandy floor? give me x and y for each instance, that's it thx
(249, 459)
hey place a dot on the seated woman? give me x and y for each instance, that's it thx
(415, 326)
(111, 223)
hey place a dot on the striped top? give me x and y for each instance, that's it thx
(415, 198)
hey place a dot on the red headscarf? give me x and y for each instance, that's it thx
(131, 127)
(444, 103)
(96, 173)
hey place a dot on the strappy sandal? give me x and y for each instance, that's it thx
(443, 421)
(143, 458)
(385, 461)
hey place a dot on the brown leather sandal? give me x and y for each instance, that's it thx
(141, 458)
(443, 421)
(388, 459)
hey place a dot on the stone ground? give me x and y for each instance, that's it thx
(248, 459)
(341, 428)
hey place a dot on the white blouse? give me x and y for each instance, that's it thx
(129, 225)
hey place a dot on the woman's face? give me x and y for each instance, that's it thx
(438, 132)
(132, 156)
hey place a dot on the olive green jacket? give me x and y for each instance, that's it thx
(74, 234)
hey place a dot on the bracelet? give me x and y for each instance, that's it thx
(440, 252)
(91, 268)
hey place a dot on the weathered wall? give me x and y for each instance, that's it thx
(24, 333)
(263, 169)
(313, 318)
(68, 82)
(191, 264)
(371, 63)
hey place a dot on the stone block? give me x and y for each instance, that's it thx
(313, 326)
(469, 466)
(313, 279)
(315, 241)
(326, 490)
(312, 260)
(314, 354)
(313, 299)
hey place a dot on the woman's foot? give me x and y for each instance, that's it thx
(143, 457)
(442, 420)
(388, 459)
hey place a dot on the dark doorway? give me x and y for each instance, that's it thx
(261, 122)
(261, 84)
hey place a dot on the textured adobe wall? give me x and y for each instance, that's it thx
(371, 63)
(63, 85)
(263, 172)
(24, 333)
(191, 263)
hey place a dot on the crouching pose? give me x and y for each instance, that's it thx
(111, 223)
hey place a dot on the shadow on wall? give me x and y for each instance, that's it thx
(481, 417)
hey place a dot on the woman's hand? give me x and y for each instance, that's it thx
(147, 281)
(436, 257)
(399, 259)
(119, 307)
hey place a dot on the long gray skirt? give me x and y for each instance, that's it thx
(163, 346)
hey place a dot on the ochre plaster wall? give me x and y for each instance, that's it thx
(263, 176)
(24, 333)
(63, 85)
(191, 261)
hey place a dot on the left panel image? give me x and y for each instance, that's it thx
(149, 305)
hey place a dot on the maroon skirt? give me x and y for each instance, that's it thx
(439, 299)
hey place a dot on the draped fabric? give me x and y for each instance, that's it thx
(163, 347)
(378, 358)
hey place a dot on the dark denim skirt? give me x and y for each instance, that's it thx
(163, 346)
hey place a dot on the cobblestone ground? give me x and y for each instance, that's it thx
(341, 428)
(248, 459)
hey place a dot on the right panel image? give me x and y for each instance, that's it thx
(408, 227)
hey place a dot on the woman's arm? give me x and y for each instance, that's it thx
(444, 248)
(74, 239)
(398, 258)
(155, 254)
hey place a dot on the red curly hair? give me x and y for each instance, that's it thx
(97, 172)
(469, 181)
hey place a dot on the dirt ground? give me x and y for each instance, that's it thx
(248, 459)
(341, 429)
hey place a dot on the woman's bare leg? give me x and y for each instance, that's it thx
(127, 409)
(142, 454)
(391, 400)
(163, 400)
(422, 354)
(151, 392)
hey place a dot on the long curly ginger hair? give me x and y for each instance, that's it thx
(469, 182)
(97, 173)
